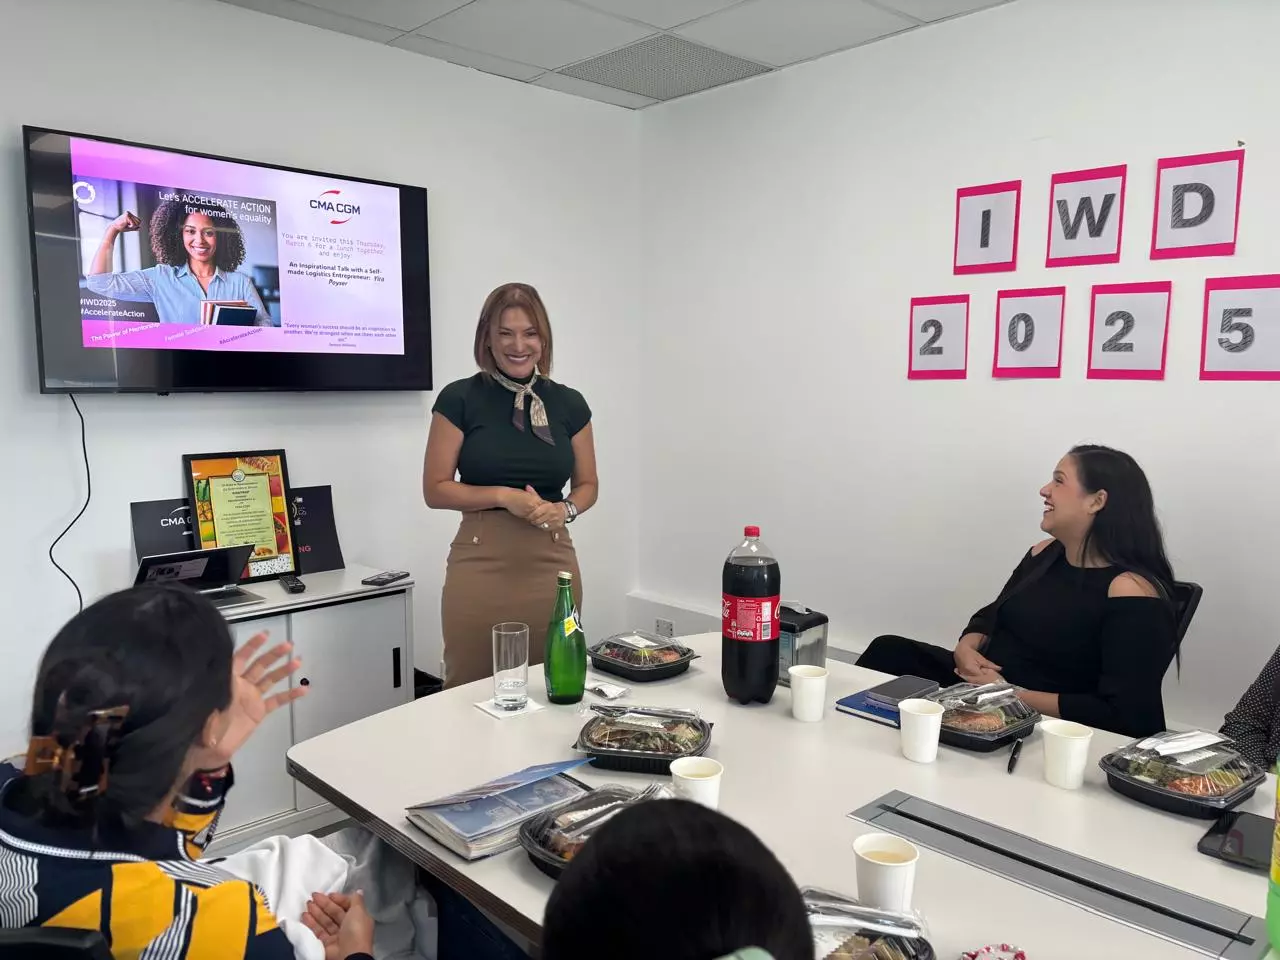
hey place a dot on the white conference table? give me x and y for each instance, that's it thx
(794, 784)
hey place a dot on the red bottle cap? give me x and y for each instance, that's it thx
(751, 532)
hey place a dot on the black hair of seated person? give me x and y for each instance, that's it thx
(163, 651)
(672, 880)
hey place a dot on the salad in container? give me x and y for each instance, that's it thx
(642, 739)
(1195, 774)
(844, 929)
(554, 838)
(983, 717)
(641, 656)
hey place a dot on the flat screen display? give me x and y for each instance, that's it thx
(159, 270)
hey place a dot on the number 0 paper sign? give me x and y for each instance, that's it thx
(1029, 333)
(938, 343)
(1129, 330)
(1241, 339)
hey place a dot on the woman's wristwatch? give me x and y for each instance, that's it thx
(570, 511)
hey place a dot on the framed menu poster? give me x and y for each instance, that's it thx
(242, 497)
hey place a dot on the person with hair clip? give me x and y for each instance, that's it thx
(502, 445)
(672, 879)
(1085, 626)
(140, 705)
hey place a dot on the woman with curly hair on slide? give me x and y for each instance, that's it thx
(198, 249)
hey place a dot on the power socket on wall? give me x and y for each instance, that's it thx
(664, 628)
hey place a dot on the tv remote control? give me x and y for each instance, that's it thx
(291, 583)
(382, 579)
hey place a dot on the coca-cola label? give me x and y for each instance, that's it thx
(750, 619)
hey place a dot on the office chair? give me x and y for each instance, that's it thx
(53, 943)
(1186, 597)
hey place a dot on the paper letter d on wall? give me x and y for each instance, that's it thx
(1197, 205)
(986, 239)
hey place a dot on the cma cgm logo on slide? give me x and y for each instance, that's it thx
(331, 202)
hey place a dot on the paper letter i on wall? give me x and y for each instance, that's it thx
(1197, 205)
(986, 239)
(1086, 217)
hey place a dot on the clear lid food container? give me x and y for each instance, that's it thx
(1192, 773)
(642, 739)
(983, 717)
(553, 839)
(844, 929)
(640, 656)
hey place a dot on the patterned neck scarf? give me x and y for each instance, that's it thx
(537, 409)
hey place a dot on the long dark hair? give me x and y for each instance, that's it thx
(675, 880)
(162, 651)
(1125, 533)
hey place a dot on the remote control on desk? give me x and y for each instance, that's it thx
(384, 578)
(292, 584)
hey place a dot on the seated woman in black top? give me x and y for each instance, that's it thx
(1254, 722)
(1085, 626)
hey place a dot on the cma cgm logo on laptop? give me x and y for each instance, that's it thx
(339, 210)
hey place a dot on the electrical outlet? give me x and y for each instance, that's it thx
(665, 628)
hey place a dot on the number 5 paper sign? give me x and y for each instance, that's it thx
(1029, 332)
(938, 343)
(1241, 338)
(1129, 330)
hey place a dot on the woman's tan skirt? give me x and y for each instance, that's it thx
(500, 568)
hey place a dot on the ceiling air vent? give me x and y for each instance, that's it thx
(664, 67)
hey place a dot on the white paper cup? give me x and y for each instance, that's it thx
(886, 871)
(697, 779)
(921, 726)
(808, 693)
(1066, 752)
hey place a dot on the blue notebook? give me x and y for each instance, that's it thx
(860, 705)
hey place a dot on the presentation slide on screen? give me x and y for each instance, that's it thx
(187, 253)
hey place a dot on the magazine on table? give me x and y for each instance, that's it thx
(484, 820)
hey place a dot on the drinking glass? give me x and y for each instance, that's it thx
(510, 666)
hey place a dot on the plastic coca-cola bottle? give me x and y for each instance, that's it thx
(751, 585)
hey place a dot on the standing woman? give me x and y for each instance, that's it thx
(502, 446)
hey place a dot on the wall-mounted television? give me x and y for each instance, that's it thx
(160, 270)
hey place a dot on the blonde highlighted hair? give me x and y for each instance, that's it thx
(512, 296)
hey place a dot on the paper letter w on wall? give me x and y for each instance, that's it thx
(1086, 216)
(986, 239)
(1197, 205)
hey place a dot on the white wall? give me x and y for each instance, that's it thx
(790, 219)
(523, 184)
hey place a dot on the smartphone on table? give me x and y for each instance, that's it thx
(1243, 839)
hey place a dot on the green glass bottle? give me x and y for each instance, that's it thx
(566, 659)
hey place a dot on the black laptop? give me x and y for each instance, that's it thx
(214, 573)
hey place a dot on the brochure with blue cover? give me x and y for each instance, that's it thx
(486, 819)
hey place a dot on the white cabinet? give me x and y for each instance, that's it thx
(263, 787)
(354, 663)
(356, 645)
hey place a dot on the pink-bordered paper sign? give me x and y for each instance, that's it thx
(938, 338)
(986, 228)
(1086, 216)
(1197, 208)
(1129, 330)
(1240, 339)
(1029, 333)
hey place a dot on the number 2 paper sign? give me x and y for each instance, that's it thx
(1129, 330)
(1029, 333)
(938, 342)
(1241, 337)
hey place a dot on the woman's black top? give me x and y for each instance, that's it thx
(495, 452)
(1054, 629)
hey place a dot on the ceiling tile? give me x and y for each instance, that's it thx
(548, 33)
(664, 67)
(467, 58)
(778, 32)
(305, 13)
(930, 10)
(593, 91)
(401, 14)
(663, 14)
